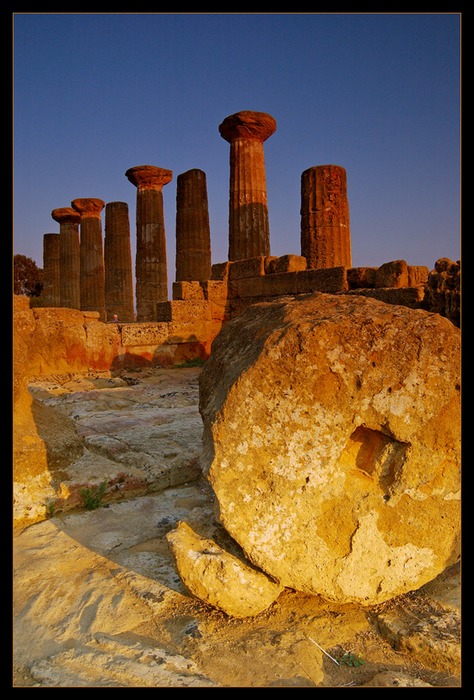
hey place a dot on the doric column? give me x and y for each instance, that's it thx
(69, 256)
(92, 255)
(249, 231)
(118, 263)
(193, 235)
(325, 226)
(151, 273)
(51, 270)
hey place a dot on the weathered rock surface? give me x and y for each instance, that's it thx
(247, 125)
(399, 680)
(443, 290)
(332, 443)
(98, 602)
(130, 436)
(218, 577)
(30, 463)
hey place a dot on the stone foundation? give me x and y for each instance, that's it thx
(69, 340)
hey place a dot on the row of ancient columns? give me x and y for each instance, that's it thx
(80, 272)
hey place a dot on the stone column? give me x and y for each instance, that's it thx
(92, 255)
(325, 227)
(69, 256)
(51, 270)
(193, 235)
(249, 232)
(151, 273)
(118, 263)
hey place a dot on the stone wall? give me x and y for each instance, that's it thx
(239, 284)
(443, 290)
(61, 340)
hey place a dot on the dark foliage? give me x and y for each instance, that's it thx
(27, 277)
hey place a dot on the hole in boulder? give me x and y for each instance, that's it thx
(375, 454)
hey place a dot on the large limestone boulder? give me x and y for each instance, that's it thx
(331, 441)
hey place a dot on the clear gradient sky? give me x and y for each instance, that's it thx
(379, 94)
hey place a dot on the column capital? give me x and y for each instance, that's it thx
(88, 207)
(66, 215)
(149, 177)
(254, 126)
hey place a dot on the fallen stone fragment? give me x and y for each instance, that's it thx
(219, 578)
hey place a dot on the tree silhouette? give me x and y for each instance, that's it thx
(27, 277)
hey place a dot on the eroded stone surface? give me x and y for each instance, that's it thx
(325, 220)
(331, 437)
(247, 124)
(396, 680)
(218, 577)
(151, 284)
(99, 429)
(98, 601)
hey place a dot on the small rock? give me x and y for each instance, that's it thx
(219, 578)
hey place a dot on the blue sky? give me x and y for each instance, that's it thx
(379, 94)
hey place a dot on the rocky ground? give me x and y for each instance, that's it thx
(98, 601)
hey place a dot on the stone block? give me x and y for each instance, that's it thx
(91, 315)
(69, 317)
(251, 267)
(183, 291)
(183, 310)
(187, 332)
(280, 284)
(410, 297)
(447, 265)
(214, 289)
(250, 287)
(233, 289)
(219, 310)
(285, 263)
(142, 334)
(220, 271)
(392, 274)
(417, 274)
(269, 261)
(330, 280)
(361, 277)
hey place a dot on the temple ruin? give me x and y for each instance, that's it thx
(84, 272)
